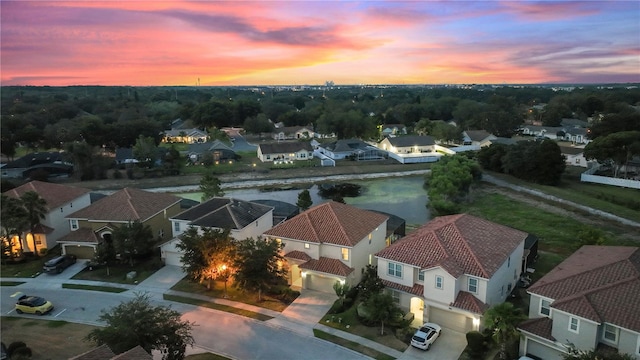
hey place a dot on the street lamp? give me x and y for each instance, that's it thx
(224, 274)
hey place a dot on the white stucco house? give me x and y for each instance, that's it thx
(451, 269)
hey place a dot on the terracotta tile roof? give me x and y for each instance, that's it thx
(466, 301)
(417, 289)
(331, 223)
(327, 266)
(297, 254)
(56, 195)
(102, 352)
(538, 326)
(85, 235)
(128, 204)
(42, 229)
(600, 283)
(224, 213)
(460, 244)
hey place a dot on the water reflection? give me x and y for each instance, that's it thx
(403, 196)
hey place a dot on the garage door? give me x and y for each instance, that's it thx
(81, 252)
(541, 352)
(320, 283)
(172, 258)
(450, 320)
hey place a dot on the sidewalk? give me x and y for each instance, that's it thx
(303, 317)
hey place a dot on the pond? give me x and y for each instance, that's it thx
(401, 196)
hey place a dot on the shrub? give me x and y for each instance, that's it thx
(15, 346)
(21, 353)
(43, 251)
(477, 344)
(288, 295)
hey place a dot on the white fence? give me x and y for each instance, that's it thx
(633, 184)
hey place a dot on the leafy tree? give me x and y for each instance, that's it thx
(502, 320)
(258, 124)
(36, 209)
(304, 200)
(590, 236)
(599, 354)
(450, 182)
(14, 219)
(105, 255)
(207, 256)
(490, 157)
(133, 239)
(541, 163)
(172, 161)
(145, 151)
(258, 265)
(627, 119)
(618, 147)
(210, 187)
(381, 307)
(138, 323)
(550, 163)
(370, 283)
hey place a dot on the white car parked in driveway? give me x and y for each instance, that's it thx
(425, 336)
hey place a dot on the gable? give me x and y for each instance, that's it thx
(55, 195)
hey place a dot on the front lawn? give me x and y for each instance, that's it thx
(375, 354)
(28, 267)
(117, 273)
(269, 301)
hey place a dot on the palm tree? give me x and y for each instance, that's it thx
(502, 320)
(36, 210)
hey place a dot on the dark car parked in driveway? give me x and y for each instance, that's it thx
(58, 264)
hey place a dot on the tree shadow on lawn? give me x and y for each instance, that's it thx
(348, 321)
(269, 301)
(117, 273)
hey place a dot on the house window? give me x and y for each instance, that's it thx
(421, 275)
(396, 296)
(307, 246)
(161, 233)
(256, 223)
(509, 261)
(74, 224)
(502, 290)
(38, 240)
(439, 282)
(345, 254)
(395, 270)
(268, 157)
(610, 333)
(545, 307)
(574, 324)
(176, 226)
(473, 285)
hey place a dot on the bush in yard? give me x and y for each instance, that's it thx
(476, 344)
(18, 350)
(43, 251)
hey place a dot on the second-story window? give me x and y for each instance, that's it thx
(176, 226)
(574, 324)
(345, 254)
(74, 224)
(473, 285)
(306, 245)
(395, 270)
(545, 307)
(421, 275)
(439, 282)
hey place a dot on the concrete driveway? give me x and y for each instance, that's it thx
(448, 346)
(305, 312)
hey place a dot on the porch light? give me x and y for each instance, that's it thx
(476, 322)
(342, 281)
(304, 274)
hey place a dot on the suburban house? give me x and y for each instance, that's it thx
(328, 243)
(477, 137)
(574, 156)
(293, 133)
(95, 223)
(62, 200)
(575, 135)
(550, 132)
(218, 150)
(590, 300)
(125, 156)
(243, 219)
(409, 144)
(285, 151)
(51, 162)
(188, 136)
(393, 129)
(453, 268)
(350, 148)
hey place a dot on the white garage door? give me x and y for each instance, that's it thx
(542, 352)
(320, 283)
(172, 258)
(450, 320)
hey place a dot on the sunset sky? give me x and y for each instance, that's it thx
(309, 42)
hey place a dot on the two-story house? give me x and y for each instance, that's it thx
(285, 151)
(95, 223)
(243, 219)
(62, 200)
(590, 300)
(451, 269)
(328, 243)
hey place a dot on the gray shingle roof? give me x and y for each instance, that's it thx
(224, 213)
(411, 140)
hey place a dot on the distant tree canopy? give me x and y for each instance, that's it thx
(450, 182)
(618, 148)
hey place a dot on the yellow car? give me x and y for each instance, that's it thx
(33, 305)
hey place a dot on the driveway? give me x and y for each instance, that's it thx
(305, 312)
(161, 281)
(240, 144)
(449, 345)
